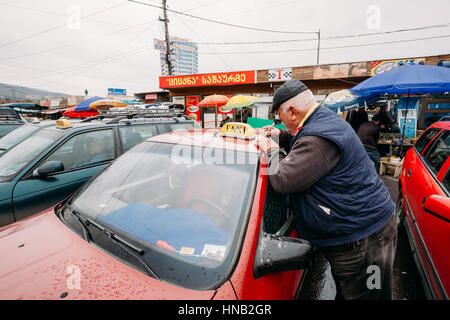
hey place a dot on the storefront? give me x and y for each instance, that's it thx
(322, 79)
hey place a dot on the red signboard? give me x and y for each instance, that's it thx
(192, 109)
(209, 79)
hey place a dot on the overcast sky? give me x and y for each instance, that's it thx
(43, 45)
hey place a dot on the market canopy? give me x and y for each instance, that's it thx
(411, 79)
(26, 105)
(215, 100)
(105, 104)
(344, 100)
(239, 101)
(72, 113)
(83, 106)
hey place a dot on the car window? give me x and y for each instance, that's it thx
(23, 153)
(7, 128)
(275, 210)
(446, 181)
(438, 152)
(171, 127)
(132, 135)
(85, 149)
(425, 138)
(17, 135)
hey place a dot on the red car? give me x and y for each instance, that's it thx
(185, 215)
(424, 207)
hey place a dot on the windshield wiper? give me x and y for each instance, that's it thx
(82, 222)
(133, 250)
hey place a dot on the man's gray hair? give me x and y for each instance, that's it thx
(302, 102)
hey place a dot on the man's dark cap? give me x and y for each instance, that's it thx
(288, 90)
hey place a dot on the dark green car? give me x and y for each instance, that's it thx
(50, 165)
(9, 121)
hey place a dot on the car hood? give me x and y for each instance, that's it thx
(43, 259)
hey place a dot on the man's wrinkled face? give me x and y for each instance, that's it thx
(288, 115)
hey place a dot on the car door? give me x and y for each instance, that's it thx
(435, 226)
(422, 182)
(82, 155)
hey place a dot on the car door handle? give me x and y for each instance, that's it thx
(409, 173)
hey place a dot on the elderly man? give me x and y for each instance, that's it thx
(340, 204)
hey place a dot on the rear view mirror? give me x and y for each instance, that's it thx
(47, 168)
(277, 254)
(438, 206)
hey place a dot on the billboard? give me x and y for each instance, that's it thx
(386, 65)
(117, 92)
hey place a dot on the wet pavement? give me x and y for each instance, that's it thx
(407, 285)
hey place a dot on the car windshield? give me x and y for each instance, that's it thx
(17, 136)
(7, 128)
(187, 212)
(23, 153)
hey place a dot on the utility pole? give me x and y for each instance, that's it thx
(318, 46)
(166, 27)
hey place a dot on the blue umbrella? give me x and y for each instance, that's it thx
(83, 106)
(412, 79)
(344, 100)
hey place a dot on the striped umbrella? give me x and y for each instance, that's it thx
(105, 104)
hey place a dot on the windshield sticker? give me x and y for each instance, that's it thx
(187, 251)
(214, 251)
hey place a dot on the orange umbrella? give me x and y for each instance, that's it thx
(215, 100)
(106, 104)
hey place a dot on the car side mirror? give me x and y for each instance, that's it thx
(438, 206)
(47, 168)
(277, 254)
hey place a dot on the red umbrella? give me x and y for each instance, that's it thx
(215, 100)
(80, 114)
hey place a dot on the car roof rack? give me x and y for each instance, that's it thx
(130, 113)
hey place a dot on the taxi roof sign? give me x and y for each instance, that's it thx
(238, 130)
(63, 123)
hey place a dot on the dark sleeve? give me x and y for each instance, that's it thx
(310, 159)
(284, 139)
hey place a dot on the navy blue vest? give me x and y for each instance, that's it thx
(351, 202)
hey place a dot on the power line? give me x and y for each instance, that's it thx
(59, 26)
(328, 48)
(187, 26)
(445, 25)
(224, 23)
(76, 43)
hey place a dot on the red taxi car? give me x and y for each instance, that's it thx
(424, 207)
(185, 215)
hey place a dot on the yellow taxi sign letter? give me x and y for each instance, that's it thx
(238, 130)
(63, 123)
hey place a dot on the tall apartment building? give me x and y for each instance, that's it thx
(184, 55)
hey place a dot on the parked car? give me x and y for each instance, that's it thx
(9, 121)
(423, 207)
(48, 166)
(184, 215)
(21, 133)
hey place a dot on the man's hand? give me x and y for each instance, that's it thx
(266, 144)
(270, 131)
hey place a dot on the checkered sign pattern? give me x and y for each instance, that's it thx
(280, 74)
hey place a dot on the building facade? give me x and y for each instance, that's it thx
(184, 54)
